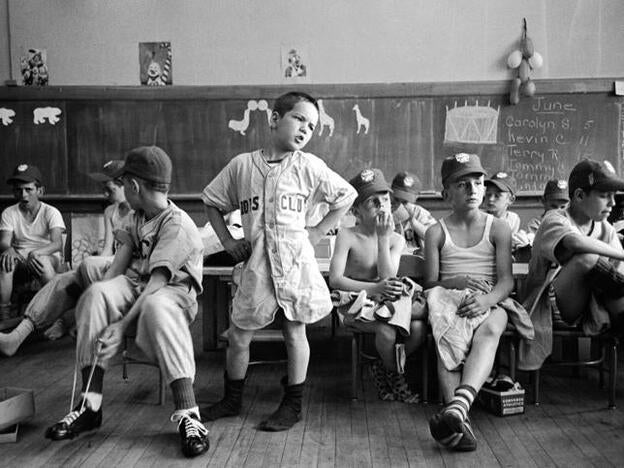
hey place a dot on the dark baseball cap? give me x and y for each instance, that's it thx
(503, 181)
(594, 175)
(147, 162)
(460, 165)
(109, 168)
(25, 173)
(369, 182)
(557, 189)
(406, 186)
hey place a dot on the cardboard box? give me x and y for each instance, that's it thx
(16, 404)
(325, 247)
(9, 435)
(502, 403)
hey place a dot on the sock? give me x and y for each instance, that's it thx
(183, 395)
(9, 342)
(93, 399)
(461, 402)
(97, 381)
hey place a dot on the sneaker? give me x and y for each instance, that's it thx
(468, 441)
(450, 431)
(77, 421)
(384, 391)
(193, 435)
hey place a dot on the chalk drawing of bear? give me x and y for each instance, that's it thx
(40, 114)
(6, 116)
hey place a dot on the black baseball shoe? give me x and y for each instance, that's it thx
(193, 436)
(77, 421)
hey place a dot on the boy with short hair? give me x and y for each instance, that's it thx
(31, 232)
(366, 258)
(274, 188)
(575, 272)
(411, 220)
(555, 198)
(468, 268)
(51, 308)
(500, 193)
(153, 282)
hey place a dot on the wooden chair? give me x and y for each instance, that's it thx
(607, 360)
(127, 359)
(410, 266)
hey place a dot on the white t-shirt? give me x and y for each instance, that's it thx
(30, 236)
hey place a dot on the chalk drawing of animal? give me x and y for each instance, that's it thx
(40, 114)
(324, 119)
(362, 122)
(241, 126)
(6, 116)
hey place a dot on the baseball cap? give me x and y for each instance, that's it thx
(459, 165)
(593, 175)
(25, 173)
(556, 189)
(369, 182)
(108, 170)
(503, 181)
(406, 186)
(147, 162)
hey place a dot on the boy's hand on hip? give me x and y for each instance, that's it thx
(239, 249)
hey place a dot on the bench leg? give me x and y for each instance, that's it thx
(512, 359)
(355, 365)
(536, 384)
(612, 372)
(425, 371)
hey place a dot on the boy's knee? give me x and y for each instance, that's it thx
(239, 340)
(385, 333)
(489, 331)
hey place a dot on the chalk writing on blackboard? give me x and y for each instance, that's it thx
(544, 139)
(471, 124)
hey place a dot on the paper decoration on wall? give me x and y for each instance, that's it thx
(361, 121)
(324, 119)
(471, 124)
(155, 63)
(6, 116)
(263, 106)
(241, 126)
(87, 236)
(34, 68)
(40, 114)
(294, 68)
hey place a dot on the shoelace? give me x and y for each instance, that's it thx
(72, 416)
(192, 427)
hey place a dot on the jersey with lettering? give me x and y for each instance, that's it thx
(274, 199)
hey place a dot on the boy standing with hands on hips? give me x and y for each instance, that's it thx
(274, 187)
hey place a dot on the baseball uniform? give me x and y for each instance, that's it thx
(274, 199)
(171, 241)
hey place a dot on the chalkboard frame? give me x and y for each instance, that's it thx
(603, 86)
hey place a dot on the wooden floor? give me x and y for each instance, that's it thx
(572, 427)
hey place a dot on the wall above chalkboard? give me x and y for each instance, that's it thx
(391, 126)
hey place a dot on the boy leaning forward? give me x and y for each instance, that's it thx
(274, 188)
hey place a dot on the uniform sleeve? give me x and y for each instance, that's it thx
(173, 247)
(55, 219)
(423, 216)
(553, 229)
(222, 191)
(6, 221)
(333, 189)
(534, 225)
(126, 233)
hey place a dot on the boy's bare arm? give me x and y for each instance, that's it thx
(121, 261)
(239, 249)
(389, 246)
(345, 242)
(55, 245)
(575, 243)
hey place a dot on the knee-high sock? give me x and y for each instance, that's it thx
(10, 342)
(462, 401)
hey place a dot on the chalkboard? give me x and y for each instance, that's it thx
(538, 139)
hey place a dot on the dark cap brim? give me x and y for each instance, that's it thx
(464, 172)
(99, 177)
(403, 195)
(609, 185)
(23, 179)
(500, 185)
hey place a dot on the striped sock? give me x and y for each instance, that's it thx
(462, 401)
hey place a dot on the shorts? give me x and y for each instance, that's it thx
(557, 319)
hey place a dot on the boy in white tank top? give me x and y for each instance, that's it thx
(468, 267)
